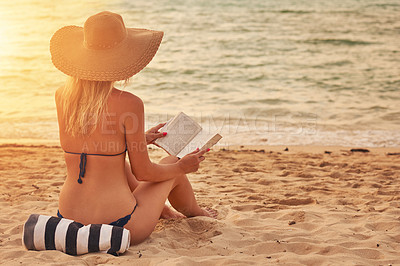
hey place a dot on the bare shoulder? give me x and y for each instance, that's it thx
(126, 100)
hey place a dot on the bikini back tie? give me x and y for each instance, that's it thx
(82, 167)
(83, 160)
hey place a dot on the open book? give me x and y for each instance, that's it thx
(184, 136)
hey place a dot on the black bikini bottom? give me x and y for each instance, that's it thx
(121, 222)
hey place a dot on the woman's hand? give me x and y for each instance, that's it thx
(152, 134)
(190, 162)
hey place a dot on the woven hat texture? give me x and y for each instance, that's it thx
(103, 49)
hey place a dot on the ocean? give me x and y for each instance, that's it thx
(290, 72)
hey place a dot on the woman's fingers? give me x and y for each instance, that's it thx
(194, 152)
(191, 161)
(160, 135)
(156, 128)
(154, 136)
(201, 152)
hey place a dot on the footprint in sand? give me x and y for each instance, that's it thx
(191, 232)
(246, 165)
(296, 202)
(297, 216)
(335, 174)
(237, 170)
(250, 169)
(306, 175)
(285, 173)
(248, 207)
(255, 197)
(368, 253)
(265, 182)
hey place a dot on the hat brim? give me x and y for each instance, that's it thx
(69, 54)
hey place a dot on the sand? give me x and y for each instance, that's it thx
(298, 207)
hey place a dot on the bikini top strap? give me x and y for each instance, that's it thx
(83, 160)
(98, 154)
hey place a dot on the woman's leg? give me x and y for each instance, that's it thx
(132, 181)
(167, 212)
(182, 196)
(151, 197)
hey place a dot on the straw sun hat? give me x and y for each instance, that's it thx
(103, 50)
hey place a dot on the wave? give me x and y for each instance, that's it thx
(393, 117)
(375, 108)
(347, 42)
(270, 101)
(385, 5)
(284, 11)
(335, 63)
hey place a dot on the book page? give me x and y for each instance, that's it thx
(203, 140)
(181, 130)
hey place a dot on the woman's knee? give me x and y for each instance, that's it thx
(140, 230)
(137, 238)
(169, 160)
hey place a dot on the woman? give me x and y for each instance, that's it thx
(98, 124)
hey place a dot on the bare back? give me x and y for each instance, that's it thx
(104, 194)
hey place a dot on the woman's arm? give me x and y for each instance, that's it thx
(141, 165)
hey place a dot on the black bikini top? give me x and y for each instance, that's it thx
(82, 163)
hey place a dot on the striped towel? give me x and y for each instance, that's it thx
(43, 232)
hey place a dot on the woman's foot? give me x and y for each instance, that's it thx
(209, 212)
(169, 213)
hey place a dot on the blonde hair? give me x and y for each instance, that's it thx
(84, 104)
